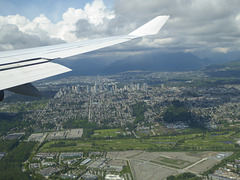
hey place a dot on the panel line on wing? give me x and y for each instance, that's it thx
(22, 64)
(27, 60)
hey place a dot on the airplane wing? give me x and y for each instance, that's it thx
(18, 68)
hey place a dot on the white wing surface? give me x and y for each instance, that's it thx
(20, 67)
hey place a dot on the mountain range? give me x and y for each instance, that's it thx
(164, 62)
(230, 69)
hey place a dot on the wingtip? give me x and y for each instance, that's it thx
(152, 27)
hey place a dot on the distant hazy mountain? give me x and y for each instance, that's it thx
(84, 66)
(158, 62)
(230, 69)
(146, 62)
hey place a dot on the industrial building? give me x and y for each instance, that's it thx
(113, 177)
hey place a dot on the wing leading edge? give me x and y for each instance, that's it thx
(19, 67)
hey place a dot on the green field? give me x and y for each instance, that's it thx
(106, 133)
(220, 141)
(237, 135)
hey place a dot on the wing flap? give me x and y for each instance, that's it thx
(26, 89)
(18, 76)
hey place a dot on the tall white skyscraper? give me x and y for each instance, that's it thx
(145, 87)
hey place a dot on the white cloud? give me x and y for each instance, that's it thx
(12, 38)
(146, 42)
(190, 50)
(72, 15)
(18, 20)
(164, 41)
(223, 50)
(194, 25)
(41, 27)
(97, 12)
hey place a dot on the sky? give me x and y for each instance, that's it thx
(204, 28)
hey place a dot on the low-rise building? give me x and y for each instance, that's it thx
(217, 177)
(113, 177)
(68, 176)
(46, 155)
(46, 172)
(49, 164)
(89, 177)
(71, 154)
(34, 166)
(70, 161)
(13, 136)
(86, 161)
(2, 154)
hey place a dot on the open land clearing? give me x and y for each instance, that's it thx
(106, 133)
(123, 154)
(160, 155)
(142, 170)
(203, 166)
(159, 165)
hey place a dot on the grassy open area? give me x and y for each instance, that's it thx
(106, 133)
(98, 145)
(23, 107)
(222, 141)
(237, 135)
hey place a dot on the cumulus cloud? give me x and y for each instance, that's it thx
(45, 32)
(223, 50)
(97, 12)
(155, 43)
(12, 38)
(194, 26)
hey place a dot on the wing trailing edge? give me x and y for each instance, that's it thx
(18, 76)
(26, 89)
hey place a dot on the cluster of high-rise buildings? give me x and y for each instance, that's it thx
(102, 87)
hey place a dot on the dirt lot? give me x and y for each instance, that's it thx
(123, 154)
(159, 165)
(148, 156)
(203, 166)
(144, 170)
(171, 162)
(117, 162)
